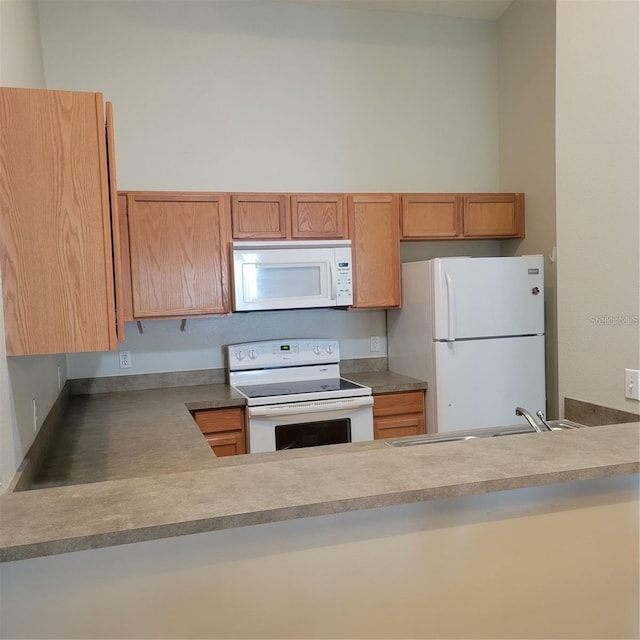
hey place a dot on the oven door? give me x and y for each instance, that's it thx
(303, 424)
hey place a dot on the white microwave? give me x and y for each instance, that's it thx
(291, 274)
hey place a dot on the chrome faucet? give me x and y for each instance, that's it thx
(542, 419)
(529, 418)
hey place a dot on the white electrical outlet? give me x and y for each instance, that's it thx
(34, 406)
(375, 343)
(631, 384)
(125, 359)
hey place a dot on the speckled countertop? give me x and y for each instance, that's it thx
(127, 434)
(140, 470)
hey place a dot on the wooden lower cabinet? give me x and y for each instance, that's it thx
(398, 414)
(224, 430)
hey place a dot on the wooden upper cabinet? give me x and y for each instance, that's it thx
(374, 228)
(179, 249)
(125, 306)
(318, 216)
(431, 215)
(259, 215)
(298, 216)
(435, 216)
(55, 222)
(497, 215)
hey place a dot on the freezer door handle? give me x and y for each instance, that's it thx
(450, 307)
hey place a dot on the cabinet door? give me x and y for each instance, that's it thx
(374, 229)
(55, 223)
(493, 215)
(179, 254)
(121, 299)
(125, 304)
(224, 429)
(431, 215)
(227, 443)
(259, 215)
(318, 216)
(398, 414)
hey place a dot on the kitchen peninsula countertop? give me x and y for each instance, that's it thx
(139, 469)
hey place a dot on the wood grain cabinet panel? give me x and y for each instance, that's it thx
(125, 308)
(318, 216)
(55, 222)
(493, 215)
(435, 216)
(299, 216)
(256, 216)
(431, 216)
(374, 228)
(179, 253)
(398, 414)
(224, 429)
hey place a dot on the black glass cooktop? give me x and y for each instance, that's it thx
(299, 386)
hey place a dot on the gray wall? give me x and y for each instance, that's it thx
(526, 37)
(597, 199)
(275, 96)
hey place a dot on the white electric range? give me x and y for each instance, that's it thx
(296, 396)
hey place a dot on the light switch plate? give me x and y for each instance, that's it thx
(632, 384)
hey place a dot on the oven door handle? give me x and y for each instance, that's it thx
(315, 406)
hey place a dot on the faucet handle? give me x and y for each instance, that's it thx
(540, 415)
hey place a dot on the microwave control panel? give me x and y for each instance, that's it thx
(344, 290)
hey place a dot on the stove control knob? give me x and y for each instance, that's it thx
(329, 348)
(239, 355)
(253, 354)
(317, 349)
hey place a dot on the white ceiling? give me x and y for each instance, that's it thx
(474, 9)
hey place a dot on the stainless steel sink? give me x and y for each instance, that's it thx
(561, 425)
(472, 434)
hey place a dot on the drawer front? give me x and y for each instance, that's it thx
(398, 426)
(227, 444)
(390, 404)
(215, 420)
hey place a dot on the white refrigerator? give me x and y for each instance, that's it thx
(473, 329)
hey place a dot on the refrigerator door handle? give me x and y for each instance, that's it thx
(450, 325)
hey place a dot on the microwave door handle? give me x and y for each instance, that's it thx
(334, 281)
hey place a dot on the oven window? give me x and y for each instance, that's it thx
(313, 434)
